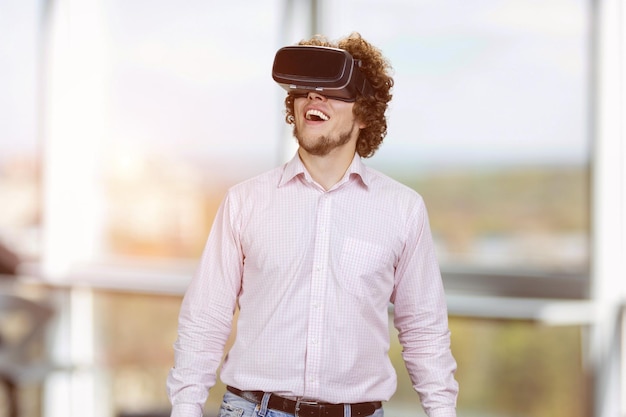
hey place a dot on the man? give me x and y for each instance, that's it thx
(313, 253)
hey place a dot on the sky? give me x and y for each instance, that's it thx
(485, 82)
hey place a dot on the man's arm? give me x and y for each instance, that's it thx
(205, 319)
(420, 315)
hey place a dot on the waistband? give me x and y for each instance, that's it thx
(301, 408)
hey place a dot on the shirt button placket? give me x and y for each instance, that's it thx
(316, 306)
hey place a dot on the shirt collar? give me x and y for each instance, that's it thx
(295, 168)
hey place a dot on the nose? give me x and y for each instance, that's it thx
(312, 95)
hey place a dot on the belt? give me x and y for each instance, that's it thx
(307, 408)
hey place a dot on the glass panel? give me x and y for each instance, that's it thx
(135, 334)
(505, 368)
(20, 209)
(516, 368)
(489, 122)
(510, 368)
(192, 110)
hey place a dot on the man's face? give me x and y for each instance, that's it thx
(322, 125)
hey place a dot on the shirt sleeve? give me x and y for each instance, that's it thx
(206, 316)
(421, 318)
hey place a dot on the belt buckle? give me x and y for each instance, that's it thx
(298, 402)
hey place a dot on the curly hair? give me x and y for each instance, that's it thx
(369, 110)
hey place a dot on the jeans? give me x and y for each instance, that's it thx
(235, 406)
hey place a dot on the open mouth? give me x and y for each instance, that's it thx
(316, 115)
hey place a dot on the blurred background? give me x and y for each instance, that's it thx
(122, 124)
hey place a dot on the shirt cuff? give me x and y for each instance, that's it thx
(442, 412)
(186, 410)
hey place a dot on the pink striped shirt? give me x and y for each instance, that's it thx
(313, 273)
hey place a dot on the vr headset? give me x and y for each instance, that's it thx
(331, 72)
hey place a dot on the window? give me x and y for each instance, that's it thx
(154, 109)
(192, 110)
(20, 184)
(490, 122)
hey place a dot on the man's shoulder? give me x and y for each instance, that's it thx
(385, 183)
(257, 184)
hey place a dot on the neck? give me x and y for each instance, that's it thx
(329, 169)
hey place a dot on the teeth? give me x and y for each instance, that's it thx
(313, 112)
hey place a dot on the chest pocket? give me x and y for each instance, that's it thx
(366, 269)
